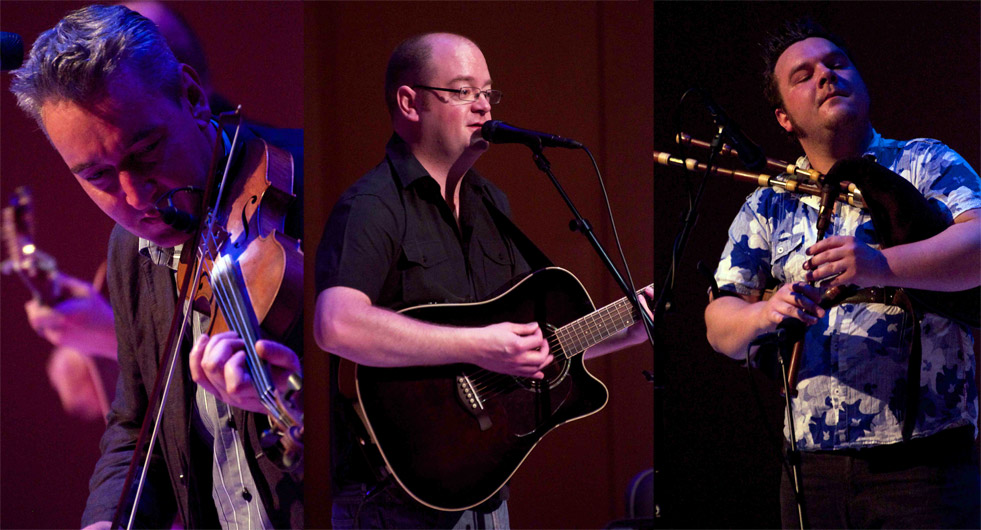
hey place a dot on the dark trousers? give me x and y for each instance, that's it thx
(931, 482)
(355, 508)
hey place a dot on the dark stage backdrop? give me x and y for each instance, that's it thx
(47, 456)
(581, 70)
(920, 62)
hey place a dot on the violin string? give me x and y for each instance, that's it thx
(234, 310)
(235, 314)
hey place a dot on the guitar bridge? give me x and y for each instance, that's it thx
(471, 401)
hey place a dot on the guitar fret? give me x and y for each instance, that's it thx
(596, 327)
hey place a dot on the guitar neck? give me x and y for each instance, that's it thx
(36, 269)
(579, 335)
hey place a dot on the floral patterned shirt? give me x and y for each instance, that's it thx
(853, 376)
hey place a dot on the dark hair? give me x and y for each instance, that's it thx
(777, 42)
(75, 60)
(410, 64)
(406, 66)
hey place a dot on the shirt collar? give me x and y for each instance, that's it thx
(408, 169)
(169, 257)
(874, 145)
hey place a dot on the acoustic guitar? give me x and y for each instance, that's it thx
(453, 435)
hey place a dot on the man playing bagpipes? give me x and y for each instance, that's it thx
(885, 411)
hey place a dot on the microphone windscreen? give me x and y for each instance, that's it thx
(11, 51)
(488, 128)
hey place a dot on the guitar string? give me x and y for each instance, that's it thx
(487, 383)
(598, 327)
(485, 378)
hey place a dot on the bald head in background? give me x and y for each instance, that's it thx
(184, 42)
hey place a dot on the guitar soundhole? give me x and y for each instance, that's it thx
(555, 373)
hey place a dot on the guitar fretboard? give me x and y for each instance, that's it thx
(579, 335)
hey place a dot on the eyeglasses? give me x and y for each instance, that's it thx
(468, 93)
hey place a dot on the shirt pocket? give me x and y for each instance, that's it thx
(425, 277)
(494, 267)
(787, 257)
(425, 254)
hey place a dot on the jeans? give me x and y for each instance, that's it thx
(358, 507)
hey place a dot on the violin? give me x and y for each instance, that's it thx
(252, 279)
(247, 276)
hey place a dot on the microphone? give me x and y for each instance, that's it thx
(749, 153)
(498, 132)
(179, 219)
(11, 51)
(173, 216)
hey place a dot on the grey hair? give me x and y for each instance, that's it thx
(74, 60)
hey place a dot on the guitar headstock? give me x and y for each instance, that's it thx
(35, 268)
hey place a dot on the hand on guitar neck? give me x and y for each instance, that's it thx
(347, 325)
(80, 325)
(82, 321)
(479, 424)
(635, 334)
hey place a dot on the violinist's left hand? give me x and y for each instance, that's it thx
(847, 261)
(218, 364)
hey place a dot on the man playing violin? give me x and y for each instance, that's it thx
(133, 124)
(417, 229)
(859, 467)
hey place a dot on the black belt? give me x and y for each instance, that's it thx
(868, 295)
(873, 295)
(948, 446)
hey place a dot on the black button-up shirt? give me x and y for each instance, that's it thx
(393, 237)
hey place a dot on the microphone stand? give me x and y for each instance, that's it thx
(582, 225)
(793, 453)
(789, 348)
(788, 334)
(663, 305)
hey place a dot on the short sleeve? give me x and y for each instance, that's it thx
(359, 246)
(944, 176)
(744, 264)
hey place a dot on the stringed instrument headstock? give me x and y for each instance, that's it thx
(36, 269)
